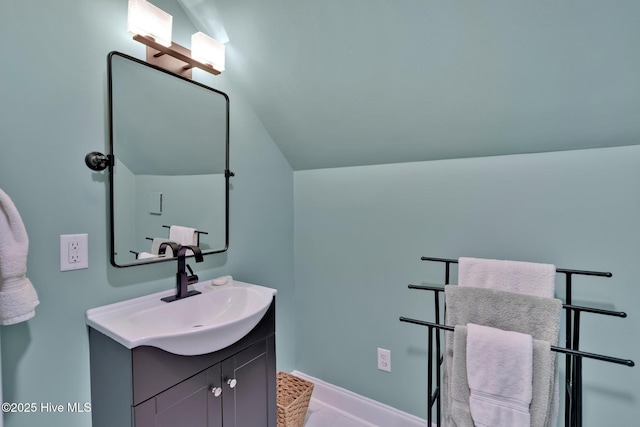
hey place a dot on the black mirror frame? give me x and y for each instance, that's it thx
(111, 161)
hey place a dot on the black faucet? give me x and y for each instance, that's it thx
(182, 280)
(174, 248)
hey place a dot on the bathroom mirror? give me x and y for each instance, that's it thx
(169, 168)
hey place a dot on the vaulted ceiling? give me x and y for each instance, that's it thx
(355, 82)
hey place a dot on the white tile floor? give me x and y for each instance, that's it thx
(319, 415)
(332, 406)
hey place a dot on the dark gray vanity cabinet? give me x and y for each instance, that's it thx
(189, 403)
(148, 387)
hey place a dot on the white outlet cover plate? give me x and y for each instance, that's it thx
(83, 251)
(384, 359)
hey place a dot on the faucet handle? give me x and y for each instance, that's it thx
(193, 278)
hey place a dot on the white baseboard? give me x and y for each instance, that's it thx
(363, 408)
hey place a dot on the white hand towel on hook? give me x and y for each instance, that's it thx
(18, 297)
(526, 278)
(500, 375)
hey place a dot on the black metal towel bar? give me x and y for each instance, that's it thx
(573, 370)
(559, 270)
(563, 350)
(564, 306)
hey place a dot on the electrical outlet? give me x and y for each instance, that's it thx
(384, 359)
(74, 251)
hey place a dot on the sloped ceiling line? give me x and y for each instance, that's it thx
(346, 83)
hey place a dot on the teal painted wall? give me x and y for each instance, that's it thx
(381, 81)
(360, 233)
(53, 86)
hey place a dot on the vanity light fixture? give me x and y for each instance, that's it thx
(207, 50)
(148, 20)
(208, 53)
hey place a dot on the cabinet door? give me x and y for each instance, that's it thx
(190, 403)
(251, 401)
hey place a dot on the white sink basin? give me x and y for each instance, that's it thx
(200, 324)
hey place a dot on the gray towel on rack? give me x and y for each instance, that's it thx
(536, 316)
(527, 314)
(459, 414)
(543, 413)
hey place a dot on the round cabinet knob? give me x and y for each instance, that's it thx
(217, 391)
(232, 382)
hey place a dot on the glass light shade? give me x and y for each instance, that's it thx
(207, 50)
(146, 19)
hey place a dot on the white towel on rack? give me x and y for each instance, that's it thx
(18, 297)
(500, 375)
(183, 235)
(146, 255)
(513, 276)
(155, 245)
(543, 411)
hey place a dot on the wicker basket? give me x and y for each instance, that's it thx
(293, 400)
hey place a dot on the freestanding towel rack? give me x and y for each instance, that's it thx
(198, 233)
(573, 363)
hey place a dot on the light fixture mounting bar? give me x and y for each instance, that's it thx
(177, 51)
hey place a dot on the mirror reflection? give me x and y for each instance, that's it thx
(169, 173)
